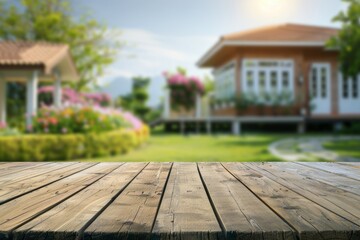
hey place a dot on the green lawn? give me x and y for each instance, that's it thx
(165, 148)
(349, 148)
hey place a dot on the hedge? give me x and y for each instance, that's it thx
(52, 147)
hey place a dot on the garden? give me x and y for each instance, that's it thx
(85, 126)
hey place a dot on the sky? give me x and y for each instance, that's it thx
(163, 34)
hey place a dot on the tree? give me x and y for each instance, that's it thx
(92, 45)
(348, 39)
(136, 101)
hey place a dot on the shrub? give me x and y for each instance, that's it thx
(55, 147)
(78, 119)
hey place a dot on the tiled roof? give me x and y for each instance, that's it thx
(18, 53)
(285, 32)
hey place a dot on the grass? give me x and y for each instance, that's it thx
(202, 148)
(349, 148)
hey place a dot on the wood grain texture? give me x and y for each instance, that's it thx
(16, 188)
(132, 214)
(29, 173)
(100, 201)
(185, 211)
(242, 214)
(23, 209)
(9, 168)
(60, 222)
(339, 201)
(329, 178)
(339, 169)
(309, 219)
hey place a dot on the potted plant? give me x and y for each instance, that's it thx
(183, 90)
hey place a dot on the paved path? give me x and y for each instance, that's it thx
(309, 148)
(172, 201)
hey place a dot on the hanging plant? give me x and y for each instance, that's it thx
(183, 90)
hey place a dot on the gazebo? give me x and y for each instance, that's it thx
(32, 62)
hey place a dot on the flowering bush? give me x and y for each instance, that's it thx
(183, 89)
(71, 96)
(82, 119)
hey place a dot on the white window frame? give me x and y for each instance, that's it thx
(225, 80)
(268, 70)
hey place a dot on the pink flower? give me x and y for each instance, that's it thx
(2, 125)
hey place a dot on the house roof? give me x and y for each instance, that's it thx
(44, 56)
(284, 35)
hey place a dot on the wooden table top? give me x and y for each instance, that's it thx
(71, 200)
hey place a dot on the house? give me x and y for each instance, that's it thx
(283, 73)
(29, 63)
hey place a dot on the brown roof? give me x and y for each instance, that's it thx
(285, 32)
(290, 35)
(42, 55)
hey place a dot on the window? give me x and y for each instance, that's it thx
(285, 80)
(314, 83)
(323, 83)
(262, 84)
(268, 64)
(273, 81)
(268, 76)
(345, 88)
(225, 82)
(355, 88)
(250, 80)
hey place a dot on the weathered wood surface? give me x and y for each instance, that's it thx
(179, 201)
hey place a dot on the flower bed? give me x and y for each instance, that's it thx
(74, 132)
(51, 147)
(81, 119)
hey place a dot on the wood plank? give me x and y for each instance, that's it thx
(341, 202)
(11, 190)
(309, 219)
(355, 165)
(13, 167)
(242, 214)
(23, 209)
(61, 223)
(336, 168)
(335, 180)
(132, 214)
(185, 211)
(30, 173)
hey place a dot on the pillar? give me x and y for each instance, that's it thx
(236, 128)
(208, 127)
(2, 100)
(167, 104)
(57, 90)
(198, 106)
(182, 127)
(301, 127)
(31, 98)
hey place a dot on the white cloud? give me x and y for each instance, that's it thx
(149, 54)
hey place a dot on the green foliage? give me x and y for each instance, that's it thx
(354, 128)
(92, 45)
(348, 39)
(74, 119)
(209, 84)
(136, 102)
(66, 147)
(345, 148)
